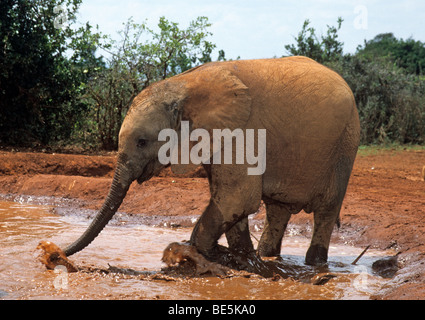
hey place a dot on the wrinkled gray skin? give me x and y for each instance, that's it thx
(312, 138)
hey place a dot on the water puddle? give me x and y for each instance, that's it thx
(140, 247)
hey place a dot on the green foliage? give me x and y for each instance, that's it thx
(37, 81)
(407, 54)
(141, 57)
(326, 49)
(174, 50)
(391, 102)
(383, 76)
(55, 88)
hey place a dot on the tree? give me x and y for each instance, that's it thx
(382, 74)
(38, 82)
(408, 54)
(390, 101)
(175, 50)
(141, 57)
(325, 49)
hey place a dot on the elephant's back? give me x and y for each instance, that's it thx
(297, 98)
(311, 120)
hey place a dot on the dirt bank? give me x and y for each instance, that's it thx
(384, 206)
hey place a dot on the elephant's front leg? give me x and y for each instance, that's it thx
(235, 195)
(213, 223)
(208, 230)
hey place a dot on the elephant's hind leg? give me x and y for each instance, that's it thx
(239, 238)
(324, 223)
(326, 216)
(277, 218)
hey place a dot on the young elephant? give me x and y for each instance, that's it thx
(312, 128)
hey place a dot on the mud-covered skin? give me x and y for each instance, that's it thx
(176, 253)
(52, 256)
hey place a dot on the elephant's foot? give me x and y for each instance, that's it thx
(316, 255)
(178, 253)
(265, 250)
(52, 256)
(246, 261)
(224, 260)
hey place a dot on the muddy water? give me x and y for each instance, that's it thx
(140, 247)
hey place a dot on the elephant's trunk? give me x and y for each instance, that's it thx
(117, 192)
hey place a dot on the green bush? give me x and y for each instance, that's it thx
(137, 60)
(385, 77)
(390, 101)
(55, 89)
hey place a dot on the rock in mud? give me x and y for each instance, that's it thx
(386, 267)
(52, 256)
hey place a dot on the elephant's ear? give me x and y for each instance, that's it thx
(217, 99)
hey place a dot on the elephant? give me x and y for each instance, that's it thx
(312, 130)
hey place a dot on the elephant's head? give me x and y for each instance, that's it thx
(209, 97)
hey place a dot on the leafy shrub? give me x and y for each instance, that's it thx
(390, 101)
(385, 76)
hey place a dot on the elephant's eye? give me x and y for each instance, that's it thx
(141, 143)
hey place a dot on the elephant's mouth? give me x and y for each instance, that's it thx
(148, 172)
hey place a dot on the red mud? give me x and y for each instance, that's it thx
(384, 206)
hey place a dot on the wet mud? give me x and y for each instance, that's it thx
(126, 263)
(384, 208)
